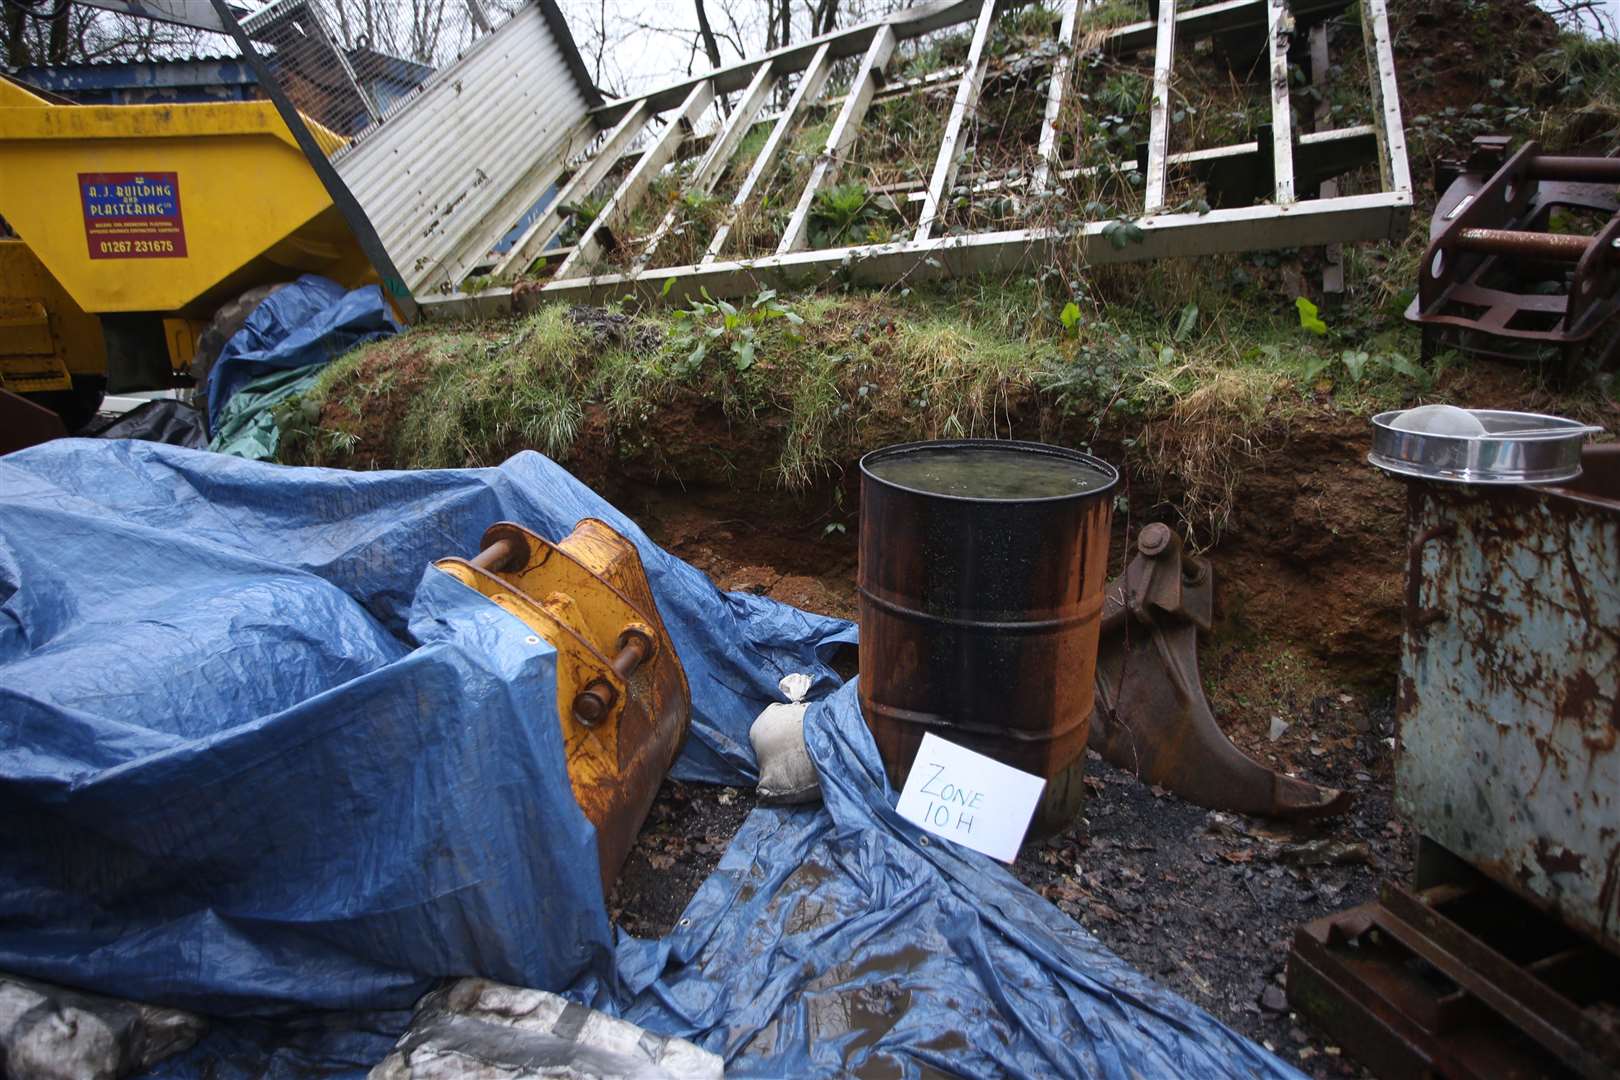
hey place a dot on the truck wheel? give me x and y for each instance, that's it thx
(78, 406)
(221, 328)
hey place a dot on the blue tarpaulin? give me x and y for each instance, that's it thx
(310, 321)
(255, 753)
(842, 940)
(251, 743)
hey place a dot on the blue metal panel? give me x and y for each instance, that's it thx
(146, 82)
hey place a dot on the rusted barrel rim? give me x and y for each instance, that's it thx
(899, 449)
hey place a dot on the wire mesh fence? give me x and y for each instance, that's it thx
(346, 64)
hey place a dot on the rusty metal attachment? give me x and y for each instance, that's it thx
(1460, 980)
(1503, 959)
(1501, 277)
(622, 696)
(1151, 715)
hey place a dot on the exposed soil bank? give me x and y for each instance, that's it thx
(1309, 564)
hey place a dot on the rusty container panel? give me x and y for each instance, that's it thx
(979, 620)
(622, 696)
(1509, 706)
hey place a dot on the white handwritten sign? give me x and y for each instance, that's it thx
(974, 800)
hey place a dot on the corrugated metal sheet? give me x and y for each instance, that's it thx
(1510, 691)
(478, 144)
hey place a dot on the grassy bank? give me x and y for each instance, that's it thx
(1183, 369)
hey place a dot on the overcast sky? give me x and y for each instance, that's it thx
(650, 41)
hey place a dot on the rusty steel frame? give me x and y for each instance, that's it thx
(1286, 219)
(1459, 980)
(1490, 248)
(1509, 699)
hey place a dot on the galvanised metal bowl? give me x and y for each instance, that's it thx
(1516, 448)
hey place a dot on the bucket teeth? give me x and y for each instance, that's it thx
(1151, 715)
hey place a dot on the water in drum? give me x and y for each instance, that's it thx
(988, 473)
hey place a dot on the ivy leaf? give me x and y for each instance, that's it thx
(1308, 317)
(1403, 366)
(1315, 366)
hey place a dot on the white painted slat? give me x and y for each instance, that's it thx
(533, 242)
(475, 249)
(713, 164)
(1347, 219)
(1056, 90)
(907, 22)
(1158, 145)
(950, 143)
(637, 180)
(804, 95)
(1308, 223)
(1280, 29)
(1397, 173)
(842, 135)
(980, 186)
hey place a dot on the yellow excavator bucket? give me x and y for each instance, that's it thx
(622, 697)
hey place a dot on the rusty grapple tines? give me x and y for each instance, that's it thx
(1151, 715)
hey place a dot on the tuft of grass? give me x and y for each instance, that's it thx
(1210, 432)
(485, 397)
(1111, 14)
(1580, 82)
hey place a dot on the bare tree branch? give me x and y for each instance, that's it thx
(711, 47)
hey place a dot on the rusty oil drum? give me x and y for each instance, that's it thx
(979, 620)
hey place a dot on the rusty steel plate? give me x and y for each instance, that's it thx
(1516, 448)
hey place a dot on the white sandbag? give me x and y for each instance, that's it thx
(51, 1033)
(786, 773)
(475, 1029)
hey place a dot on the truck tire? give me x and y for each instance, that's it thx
(78, 406)
(221, 328)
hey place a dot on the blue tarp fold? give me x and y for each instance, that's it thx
(309, 321)
(842, 940)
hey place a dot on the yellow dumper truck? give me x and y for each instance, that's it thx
(136, 227)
